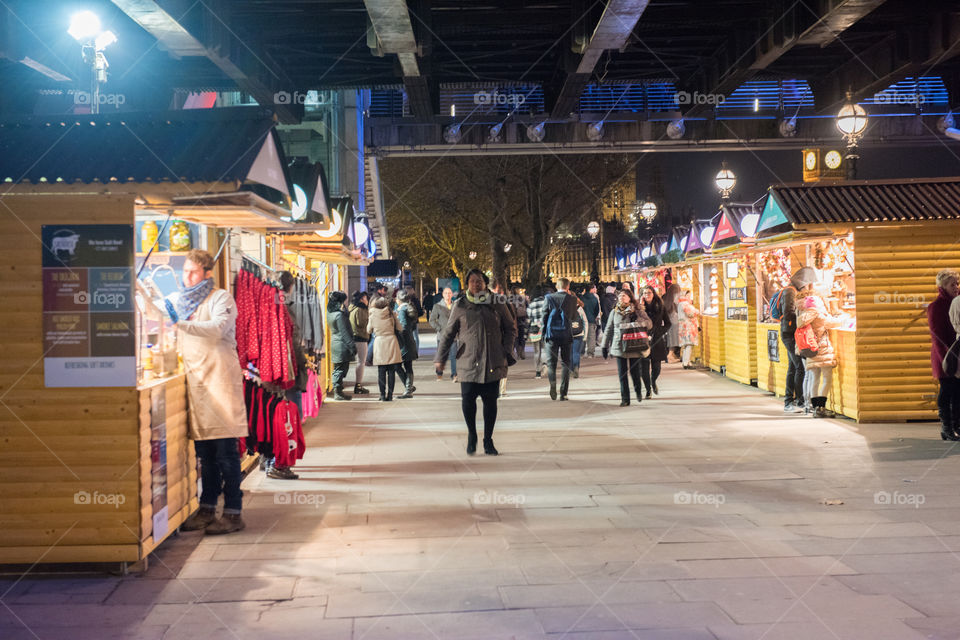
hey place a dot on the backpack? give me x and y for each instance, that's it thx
(807, 344)
(776, 304)
(557, 329)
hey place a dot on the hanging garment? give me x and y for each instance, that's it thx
(288, 442)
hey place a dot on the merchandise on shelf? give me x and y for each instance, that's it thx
(179, 236)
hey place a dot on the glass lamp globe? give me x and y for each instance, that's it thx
(852, 120)
(725, 180)
(648, 211)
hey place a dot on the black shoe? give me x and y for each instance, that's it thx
(412, 389)
(563, 398)
(360, 391)
(538, 376)
(471, 444)
(489, 449)
(639, 397)
(655, 389)
(338, 395)
(624, 403)
(553, 392)
(407, 394)
(383, 398)
(282, 473)
(649, 394)
(576, 373)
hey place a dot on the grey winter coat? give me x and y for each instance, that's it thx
(342, 346)
(613, 331)
(407, 315)
(486, 334)
(440, 315)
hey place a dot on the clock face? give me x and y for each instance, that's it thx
(810, 160)
(833, 159)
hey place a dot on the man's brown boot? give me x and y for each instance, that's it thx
(227, 523)
(199, 520)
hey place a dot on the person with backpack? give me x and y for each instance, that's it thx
(536, 317)
(783, 308)
(625, 338)
(558, 332)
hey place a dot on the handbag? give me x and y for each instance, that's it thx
(634, 340)
(807, 343)
(951, 360)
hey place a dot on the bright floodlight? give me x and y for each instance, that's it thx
(84, 26)
(104, 40)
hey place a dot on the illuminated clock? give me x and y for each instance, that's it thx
(810, 160)
(833, 159)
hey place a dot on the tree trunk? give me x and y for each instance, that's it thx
(534, 272)
(499, 261)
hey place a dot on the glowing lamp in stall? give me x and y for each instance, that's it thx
(299, 205)
(335, 226)
(622, 263)
(645, 253)
(633, 258)
(683, 243)
(748, 226)
(663, 248)
(473, 255)
(706, 235)
(361, 233)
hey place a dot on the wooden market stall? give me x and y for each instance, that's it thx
(878, 246)
(733, 238)
(98, 465)
(710, 301)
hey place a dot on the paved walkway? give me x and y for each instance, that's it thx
(704, 513)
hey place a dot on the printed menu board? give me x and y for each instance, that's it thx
(88, 316)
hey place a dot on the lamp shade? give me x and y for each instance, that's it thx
(852, 120)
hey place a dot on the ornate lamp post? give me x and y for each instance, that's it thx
(852, 121)
(593, 229)
(725, 181)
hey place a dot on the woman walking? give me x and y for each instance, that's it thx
(579, 331)
(359, 316)
(486, 333)
(688, 318)
(650, 367)
(623, 339)
(342, 347)
(386, 348)
(408, 318)
(670, 300)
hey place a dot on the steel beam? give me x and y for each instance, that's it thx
(253, 72)
(612, 32)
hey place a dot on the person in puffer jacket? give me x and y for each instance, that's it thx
(818, 380)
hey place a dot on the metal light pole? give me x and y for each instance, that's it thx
(593, 229)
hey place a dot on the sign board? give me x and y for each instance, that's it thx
(737, 293)
(773, 345)
(88, 316)
(737, 313)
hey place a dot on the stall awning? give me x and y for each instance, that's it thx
(737, 224)
(236, 145)
(331, 251)
(236, 209)
(861, 201)
(699, 237)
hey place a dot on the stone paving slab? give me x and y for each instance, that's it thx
(697, 515)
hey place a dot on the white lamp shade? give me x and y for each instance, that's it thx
(725, 180)
(683, 243)
(361, 233)
(645, 253)
(852, 120)
(84, 25)
(633, 258)
(663, 247)
(593, 229)
(706, 236)
(648, 211)
(748, 226)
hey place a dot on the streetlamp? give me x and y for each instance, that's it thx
(725, 181)
(852, 121)
(648, 212)
(593, 229)
(473, 255)
(85, 29)
(507, 247)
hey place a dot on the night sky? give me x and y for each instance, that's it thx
(688, 185)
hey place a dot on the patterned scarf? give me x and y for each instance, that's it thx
(483, 297)
(192, 297)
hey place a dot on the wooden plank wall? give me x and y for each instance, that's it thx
(843, 397)
(896, 269)
(771, 376)
(740, 336)
(714, 350)
(58, 442)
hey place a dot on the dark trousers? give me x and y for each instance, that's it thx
(405, 371)
(633, 366)
(386, 379)
(340, 370)
(795, 372)
(650, 371)
(564, 353)
(948, 402)
(220, 473)
(488, 392)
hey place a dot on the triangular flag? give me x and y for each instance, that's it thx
(772, 216)
(267, 169)
(724, 230)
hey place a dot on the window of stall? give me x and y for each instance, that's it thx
(774, 268)
(710, 294)
(833, 262)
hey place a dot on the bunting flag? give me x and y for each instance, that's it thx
(724, 229)
(772, 216)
